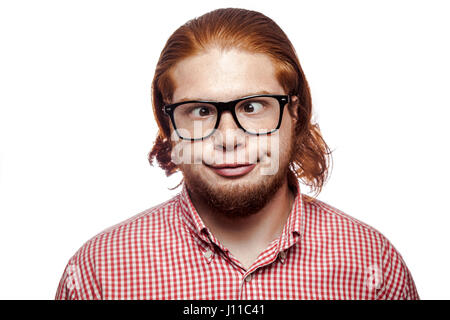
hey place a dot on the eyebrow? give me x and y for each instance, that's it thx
(246, 95)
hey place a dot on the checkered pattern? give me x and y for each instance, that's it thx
(167, 252)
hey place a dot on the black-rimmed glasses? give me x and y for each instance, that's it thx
(256, 115)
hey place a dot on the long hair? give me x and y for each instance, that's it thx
(251, 31)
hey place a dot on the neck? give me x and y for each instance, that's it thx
(255, 231)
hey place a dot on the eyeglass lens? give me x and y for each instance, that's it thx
(256, 115)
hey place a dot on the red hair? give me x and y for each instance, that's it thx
(251, 31)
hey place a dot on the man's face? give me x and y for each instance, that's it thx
(225, 76)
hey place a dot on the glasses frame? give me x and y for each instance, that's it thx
(227, 106)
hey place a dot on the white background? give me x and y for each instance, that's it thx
(76, 123)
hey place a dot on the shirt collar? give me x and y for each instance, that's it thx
(189, 214)
(292, 230)
(294, 227)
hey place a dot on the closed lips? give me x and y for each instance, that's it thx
(232, 170)
(220, 166)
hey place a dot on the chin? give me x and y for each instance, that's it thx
(233, 196)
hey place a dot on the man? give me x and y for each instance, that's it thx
(234, 114)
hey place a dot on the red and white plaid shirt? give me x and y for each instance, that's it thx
(167, 252)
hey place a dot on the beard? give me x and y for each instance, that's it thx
(237, 200)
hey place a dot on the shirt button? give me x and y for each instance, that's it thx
(208, 254)
(249, 277)
(282, 256)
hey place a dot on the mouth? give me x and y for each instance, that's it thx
(232, 169)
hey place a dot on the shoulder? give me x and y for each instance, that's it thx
(164, 211)
(320, 212)
(361, 244)
(81, 277)
(149, 220)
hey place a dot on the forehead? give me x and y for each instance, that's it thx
(224, 75)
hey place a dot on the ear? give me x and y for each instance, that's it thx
(293, 108)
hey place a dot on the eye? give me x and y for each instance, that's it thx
(252, 107)
(202, 111)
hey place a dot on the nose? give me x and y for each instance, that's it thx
(228, 135)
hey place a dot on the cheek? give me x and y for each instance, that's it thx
(280, 142)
